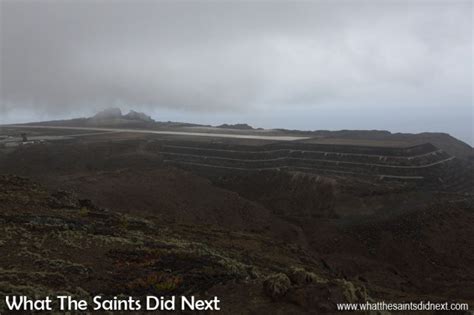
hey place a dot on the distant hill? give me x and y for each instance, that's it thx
(441, 140)
(236, 126)
(114, 118)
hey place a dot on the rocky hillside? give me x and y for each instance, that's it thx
(58, 244)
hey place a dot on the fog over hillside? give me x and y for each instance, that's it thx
(402, 66)
(254, 157)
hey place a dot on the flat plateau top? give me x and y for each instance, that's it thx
(165, 132)
(362, 142)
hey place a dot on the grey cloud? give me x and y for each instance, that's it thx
(59, 57)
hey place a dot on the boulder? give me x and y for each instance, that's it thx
(276, 285)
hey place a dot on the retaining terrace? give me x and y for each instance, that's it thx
(409, 163)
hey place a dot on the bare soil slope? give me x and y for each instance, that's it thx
(129, 223)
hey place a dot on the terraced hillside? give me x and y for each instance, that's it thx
(140, 214)
(424, 163)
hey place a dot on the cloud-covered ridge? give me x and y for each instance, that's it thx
(234, 57)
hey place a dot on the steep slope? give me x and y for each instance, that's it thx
(56, 244)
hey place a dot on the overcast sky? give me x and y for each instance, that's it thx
(403, 66)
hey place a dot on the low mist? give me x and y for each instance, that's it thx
(400, 66)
